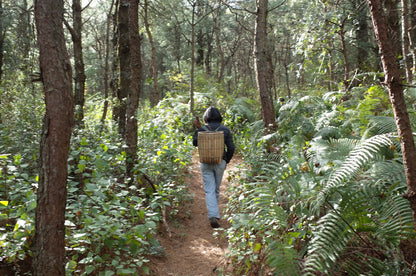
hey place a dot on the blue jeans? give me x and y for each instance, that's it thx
(212, 177)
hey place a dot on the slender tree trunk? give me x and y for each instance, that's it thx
(407, 60)
(393, 23)
(362, 38)
(51, 195)
(199, 60)
(114, 83)
(76, 33)
(216, 33)
(124, 63)
(191, 107)
(107, 64)
(2, 34)
(270, 72)
(154, 96)
(412, 33)
(344, 54)
(260, 64)
(135, 87)
(23, 37)
(393, 82)
(207, 61)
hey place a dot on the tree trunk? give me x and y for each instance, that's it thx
(407, 61)
(51, 195)
(393, 24)
(191, 93)
(124, 63)
(154, 96)
(2, 34)
(341, 33)
(362, 38)
(216, 33)
(199, 60)
(107, 64)
(412, 33)
(76, 34)
(393, 82)
(114, 82)
(135, 87)
(260, 64)
(80, 77)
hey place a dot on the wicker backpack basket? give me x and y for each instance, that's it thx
(210, 146)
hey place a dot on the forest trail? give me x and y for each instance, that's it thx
(195, 249)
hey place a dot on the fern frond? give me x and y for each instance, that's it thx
(370, 218)
(284, 260)
(358, 159)
(381, 125)
(331, 236)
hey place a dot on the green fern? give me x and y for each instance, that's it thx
(366, 216)
(356, 163)
(283, 260)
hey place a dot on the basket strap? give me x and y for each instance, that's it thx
(207, 128)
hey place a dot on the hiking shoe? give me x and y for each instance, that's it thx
(214, 222)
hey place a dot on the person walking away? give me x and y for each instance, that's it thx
(212, 173)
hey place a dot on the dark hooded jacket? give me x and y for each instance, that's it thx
(213, 119)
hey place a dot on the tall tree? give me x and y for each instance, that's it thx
(362, 32)
(135, 87)
(154, 96)
(260, 63)
(407, 60)
(76, 34)
(107, 63)
(51, 195)
(124, 63)
(393, 82)
(412, 32)
(2, 34)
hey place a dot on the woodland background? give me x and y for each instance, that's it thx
(324, 188)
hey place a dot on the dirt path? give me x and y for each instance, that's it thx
(195, 249)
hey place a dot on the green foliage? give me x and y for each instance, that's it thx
(318, 198)
(99, 193)
(17, 206)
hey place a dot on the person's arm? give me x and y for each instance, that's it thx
(228, 140)
(195, 138)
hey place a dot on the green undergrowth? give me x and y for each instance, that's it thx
(110, 220)
(322, 195)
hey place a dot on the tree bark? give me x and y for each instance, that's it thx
(51, 195)
(362, 37)
(393, 82)
(2, 34)
(407, 60)
(135, 88)
(76, 35)
(79, 96)
(260, 64)
(124, 63)
(107, 64)
(216, 33)
(154, 96)
(393, 24)
(412, 32)
(191, 92)
(341, 33)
